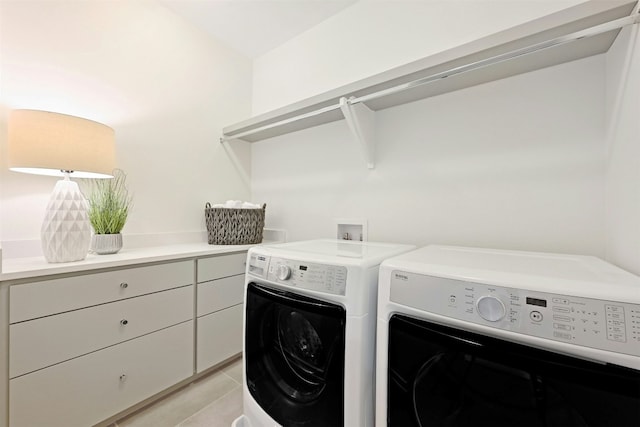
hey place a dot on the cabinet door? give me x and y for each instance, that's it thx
(220, 294)
(221, 266)
(84, 391)
(43, 342)
(38, 299)
(219, 336)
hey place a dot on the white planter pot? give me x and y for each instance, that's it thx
(104, 244)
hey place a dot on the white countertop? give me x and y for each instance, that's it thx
(25, 268)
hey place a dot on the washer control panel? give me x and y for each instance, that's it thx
(329, 279)
(606, 325)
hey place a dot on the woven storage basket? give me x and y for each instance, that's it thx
(227, 226)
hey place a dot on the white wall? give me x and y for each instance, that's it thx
(166, 88)
(572, 186)
(516, 163)
(376, 35)
(623, 151)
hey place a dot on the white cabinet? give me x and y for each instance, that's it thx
(219, 294)
(38, 299)
(84, 391)
(219, 337)
(219, 309)
(221, 266)
(83, 348)
(48, 340)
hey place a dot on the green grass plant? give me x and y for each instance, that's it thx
(109, 204)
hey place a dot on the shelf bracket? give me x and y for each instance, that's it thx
(241, 168)
(361, 122)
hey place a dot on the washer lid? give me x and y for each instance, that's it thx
(577, 275)
(365, 252)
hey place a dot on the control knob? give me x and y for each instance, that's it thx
(491, 308)
(283, 272)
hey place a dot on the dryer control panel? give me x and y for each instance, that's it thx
(329, 279)
(606, 325)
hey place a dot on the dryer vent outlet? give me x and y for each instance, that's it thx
(355, 229)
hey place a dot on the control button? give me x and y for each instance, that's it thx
(563, 335)
(561, 326)
(283, 272)
(490, 308)
(613, 336)
(561, 318)
(536, 316)
(617, 316)
(258, 271)
(560, 301)
(614, 309)
(561, 309)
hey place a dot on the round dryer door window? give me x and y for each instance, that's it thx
(443, 376)
(294, 352)
(303, 372)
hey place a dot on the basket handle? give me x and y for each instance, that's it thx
(264, 206)
(207, 206)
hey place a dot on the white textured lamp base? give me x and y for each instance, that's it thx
(66, 231)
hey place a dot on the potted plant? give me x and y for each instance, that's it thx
(109, 205)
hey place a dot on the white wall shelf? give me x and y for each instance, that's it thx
(584, 30)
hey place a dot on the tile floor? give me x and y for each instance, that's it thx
(212, 401)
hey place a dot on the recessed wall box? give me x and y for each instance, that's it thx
(351, 229)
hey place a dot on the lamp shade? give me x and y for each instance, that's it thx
(46, 143)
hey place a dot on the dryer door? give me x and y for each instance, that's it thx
(441, 376)
(294, 356)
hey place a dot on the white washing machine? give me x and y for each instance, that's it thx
(309, 335)
(480, 337)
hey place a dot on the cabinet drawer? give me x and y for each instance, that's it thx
(84, 391)
(221, 266)
(39, 299)
(218, 294)
(219, 336)
(45, 341)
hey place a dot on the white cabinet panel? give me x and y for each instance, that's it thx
(84, 391)
(221, 266)
(219, 336)
(219, 294)
(42, 342)
(32, 300)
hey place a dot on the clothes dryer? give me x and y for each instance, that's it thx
(480, 337)
(309, 335)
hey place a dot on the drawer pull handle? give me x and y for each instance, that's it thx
(124, 322)
(123, 378)
(124, 285)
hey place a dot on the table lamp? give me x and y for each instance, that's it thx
(45, 143)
